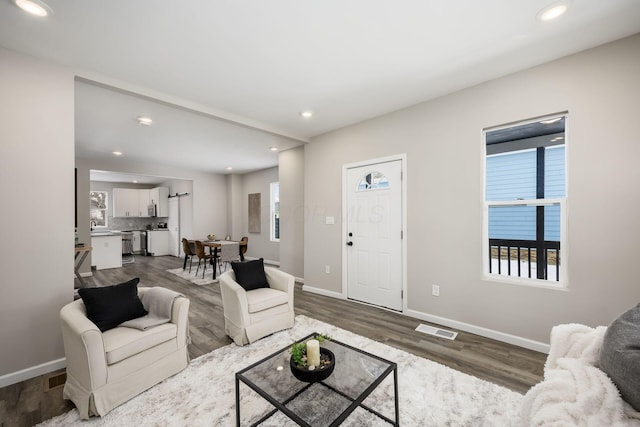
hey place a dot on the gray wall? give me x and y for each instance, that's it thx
(442, 139)
(260, 245)
(37, 215)
(291, 176)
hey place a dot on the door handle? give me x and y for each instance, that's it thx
(349, 243)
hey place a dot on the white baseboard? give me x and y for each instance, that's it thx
(321, 291)
(299, 280)
(479, 330)
(32, 372)
(462, 326)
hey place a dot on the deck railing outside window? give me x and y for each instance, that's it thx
(520, 258)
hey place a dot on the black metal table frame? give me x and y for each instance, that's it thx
(393, 367)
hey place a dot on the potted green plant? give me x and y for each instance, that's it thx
(309, 362)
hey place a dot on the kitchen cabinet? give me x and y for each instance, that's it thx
(107, 251)
(160, 197)
(158, 242)
(144, 200)
(126, 202)
(133, 202)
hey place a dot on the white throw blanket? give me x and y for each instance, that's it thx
(577, 342)
(575, 392)
(158, 302)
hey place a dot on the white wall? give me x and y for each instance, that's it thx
(291, 176)
(235, 213)
(37, 215)
(601, 90)
(260, 245)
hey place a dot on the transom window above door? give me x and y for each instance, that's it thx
(373, 181)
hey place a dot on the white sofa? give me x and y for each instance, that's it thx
(105, 369)
(251, 315)
(575, 392)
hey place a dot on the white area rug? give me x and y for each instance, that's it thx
(204, 393)
(198, 279)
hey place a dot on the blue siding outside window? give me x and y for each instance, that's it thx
(512, 177)
(554, 178)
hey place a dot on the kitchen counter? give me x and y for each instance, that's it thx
(106, 233)
(158, 242)
(107, 250)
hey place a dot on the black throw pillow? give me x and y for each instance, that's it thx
(109, 306)
(250, 274)
(620, 355)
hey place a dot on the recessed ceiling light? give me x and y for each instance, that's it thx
(34, 7)
(145, 121)
(306, 114)
(135, 181)
(229, 168)
(273, 148)
(117, 153)
(553, 11)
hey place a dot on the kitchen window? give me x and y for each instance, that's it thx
(525, 201)
(98, 208)
(275, 212)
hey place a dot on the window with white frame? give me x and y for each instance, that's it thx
(525, 196)
(274, 212)
(98, 208)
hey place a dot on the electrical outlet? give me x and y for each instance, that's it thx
(435, 290)
(327, 269)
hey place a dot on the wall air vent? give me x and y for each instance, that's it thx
(442, 333)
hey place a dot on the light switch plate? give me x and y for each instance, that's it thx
(329, 220)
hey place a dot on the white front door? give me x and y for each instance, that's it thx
(374, 234)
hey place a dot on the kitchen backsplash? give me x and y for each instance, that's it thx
(133, 223)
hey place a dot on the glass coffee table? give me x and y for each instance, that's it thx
(326, 403)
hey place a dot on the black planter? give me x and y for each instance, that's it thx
(316, 375)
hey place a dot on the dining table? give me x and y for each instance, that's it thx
(215, 245)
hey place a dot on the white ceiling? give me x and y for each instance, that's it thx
(260, 63)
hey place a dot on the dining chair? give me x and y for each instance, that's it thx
(189, 253)
(244, 247)
(228, 253)
(202, 255)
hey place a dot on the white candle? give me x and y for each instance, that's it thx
(313, 353)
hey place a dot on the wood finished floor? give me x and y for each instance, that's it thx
(26, 404)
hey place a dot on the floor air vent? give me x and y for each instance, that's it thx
(54, 381)
(442, 333)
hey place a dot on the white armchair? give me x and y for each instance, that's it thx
(251, 315)
(105, 369)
